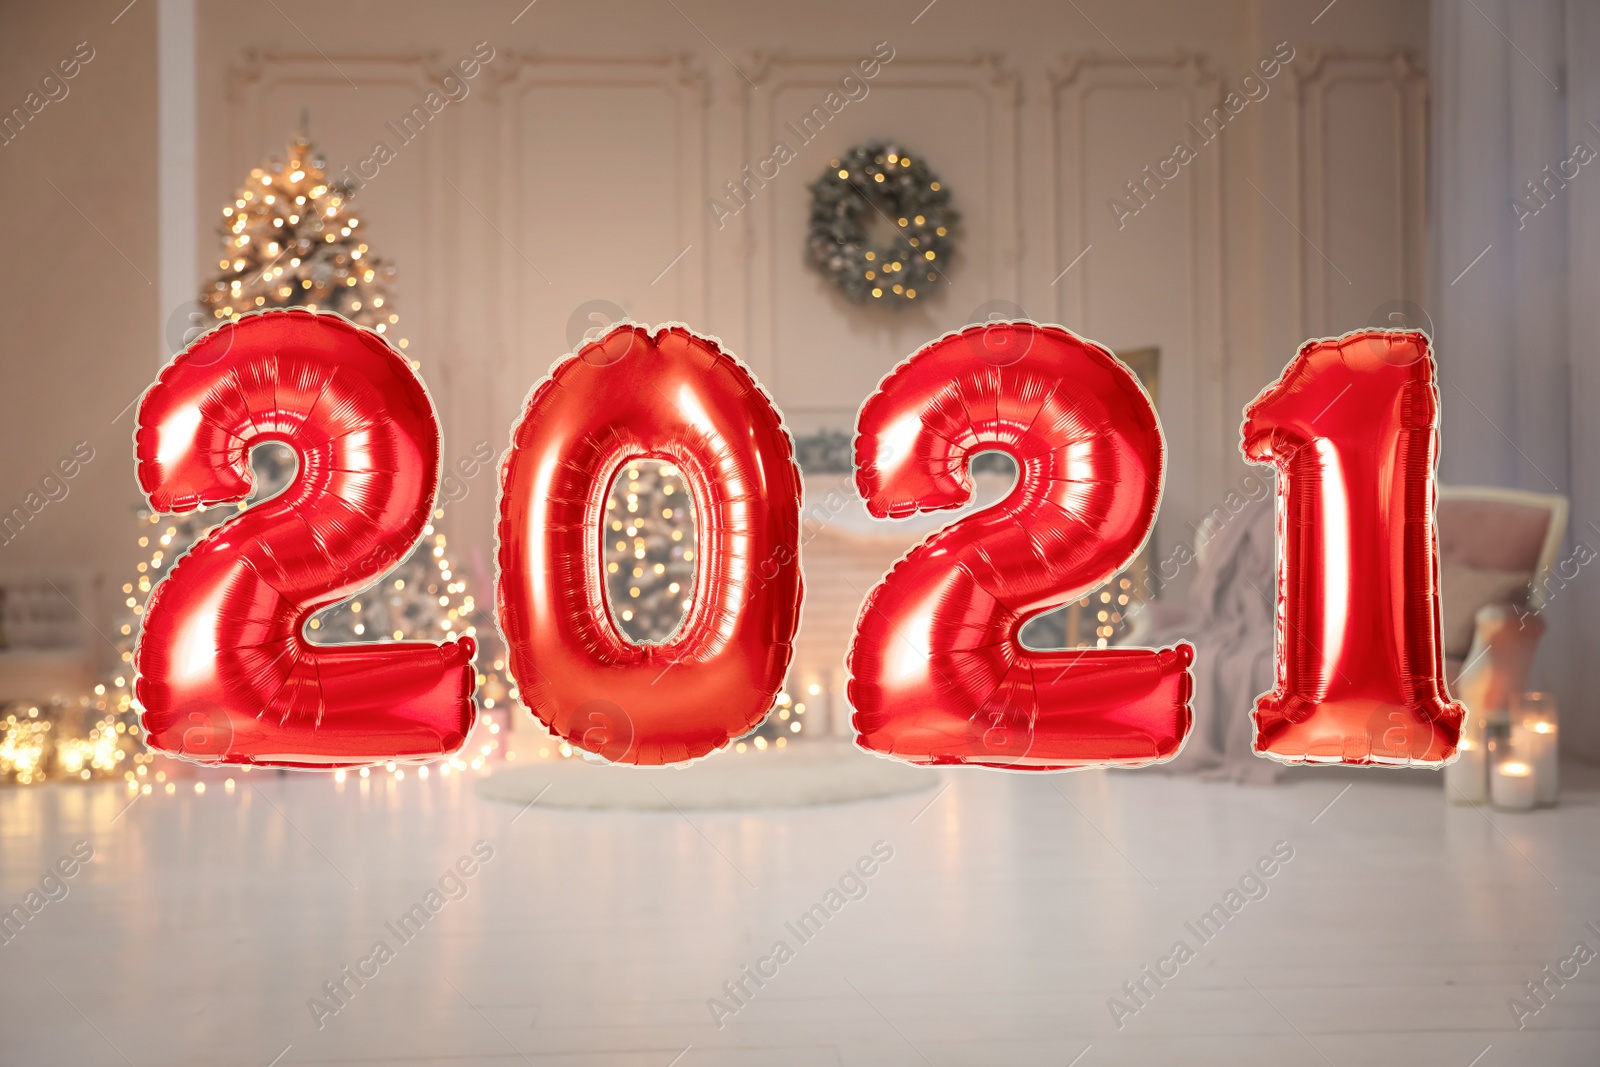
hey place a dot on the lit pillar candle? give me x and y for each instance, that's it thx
(1512, 785)
(1466, 781)
(1537, 740)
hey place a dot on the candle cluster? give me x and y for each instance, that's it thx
(1509, 760)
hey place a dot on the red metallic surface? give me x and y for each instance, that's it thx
(225, 673)
(668, 395)
(937, 674)
(1352, 430)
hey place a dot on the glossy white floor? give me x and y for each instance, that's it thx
(1013, 908)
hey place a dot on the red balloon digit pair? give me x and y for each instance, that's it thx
(225, 674)
(937, 673)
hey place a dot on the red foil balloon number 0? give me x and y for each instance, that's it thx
(1352, 431)
(225, 674)
(937, 673)
(675, 396)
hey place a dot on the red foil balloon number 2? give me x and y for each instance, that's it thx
(225, 674)
(937, 672)
(1352, 430)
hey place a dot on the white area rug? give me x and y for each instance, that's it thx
(802, 775)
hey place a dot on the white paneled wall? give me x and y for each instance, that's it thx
(1361, 154)
(1155, 277)
(580, 170)
(959, 114)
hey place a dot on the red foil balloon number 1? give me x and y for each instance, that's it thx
(1352, 430)
(937, 672)
(225, 674)
(675, 396)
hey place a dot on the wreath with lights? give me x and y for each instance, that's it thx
(878, 187)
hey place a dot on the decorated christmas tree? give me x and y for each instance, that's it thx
(649, 550)
(291, 239)
(649, 554)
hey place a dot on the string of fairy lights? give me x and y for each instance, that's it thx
(649, 559)
(290, 240)
(649, 550)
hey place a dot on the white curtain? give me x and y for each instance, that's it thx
(1516, 286)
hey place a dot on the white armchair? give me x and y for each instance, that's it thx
(1496, 550)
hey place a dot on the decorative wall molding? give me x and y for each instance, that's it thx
(682, 81)
(988, 76)
(1073, 82)
(473, 202)
(1198, 373)
(256, 130)
(468, 195)
(1316, 82)
(250, 83)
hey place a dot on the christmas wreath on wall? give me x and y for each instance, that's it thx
(881, 225)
